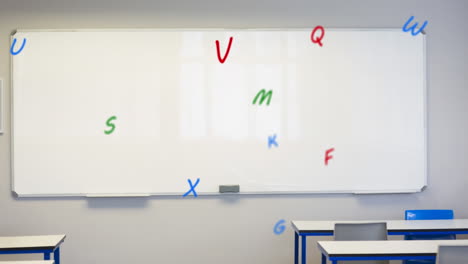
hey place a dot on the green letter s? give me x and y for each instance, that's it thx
(108, 123)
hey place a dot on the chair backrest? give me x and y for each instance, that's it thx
(364, 231)
(428, 214)
(361, 231)
(452, 254)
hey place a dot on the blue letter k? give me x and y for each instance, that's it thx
(272, 141)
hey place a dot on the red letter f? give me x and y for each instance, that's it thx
(328, 156)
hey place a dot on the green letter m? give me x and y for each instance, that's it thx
(263, 95)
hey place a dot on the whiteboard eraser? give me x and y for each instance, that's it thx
(229, 188)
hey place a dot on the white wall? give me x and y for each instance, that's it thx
(232, 230)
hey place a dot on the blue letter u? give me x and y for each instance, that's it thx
(13, 45)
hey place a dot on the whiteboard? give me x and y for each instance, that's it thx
(140, 112)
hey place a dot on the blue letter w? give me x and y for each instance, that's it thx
(413, 28)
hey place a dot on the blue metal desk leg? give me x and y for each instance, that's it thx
(324, 259)
(303, 244)
(296, 248)
(46, 256)
(57, 256)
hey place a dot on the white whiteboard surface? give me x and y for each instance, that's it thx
(181, 114)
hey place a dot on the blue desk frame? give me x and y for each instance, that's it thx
(304, 236)
(335, 259)
(46, 251)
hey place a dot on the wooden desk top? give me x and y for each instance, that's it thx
(28, 262)
(392, 225)
(49, 242)
(384, 247)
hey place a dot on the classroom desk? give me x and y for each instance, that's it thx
(382, 250)
(395, 227)
(28, 262)
(33, 245)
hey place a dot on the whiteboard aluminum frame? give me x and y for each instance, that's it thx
(96, 195)
(12, 149)
(2, 122)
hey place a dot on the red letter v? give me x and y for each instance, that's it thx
(222, 60)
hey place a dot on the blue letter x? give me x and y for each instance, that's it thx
(192, 188)
(272, 141)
